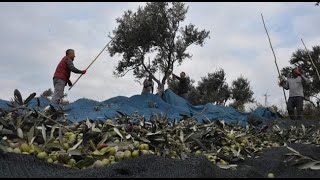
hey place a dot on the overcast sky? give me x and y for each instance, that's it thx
(34, 37)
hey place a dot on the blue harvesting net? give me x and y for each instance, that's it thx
(170, 105)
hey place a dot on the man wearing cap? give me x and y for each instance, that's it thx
(296, 96)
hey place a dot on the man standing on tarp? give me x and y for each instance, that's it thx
(62, 74)
(183, 85)
(147, 86)
(296, 96)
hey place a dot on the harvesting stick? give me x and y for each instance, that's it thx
(91, 63)
(275, 59)
(315, 67)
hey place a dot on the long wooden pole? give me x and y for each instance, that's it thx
(315, 67)
(91, 63)
(275, 58)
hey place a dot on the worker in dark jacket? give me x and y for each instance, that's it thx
(183, 85)
(61, 76)
(296, 96)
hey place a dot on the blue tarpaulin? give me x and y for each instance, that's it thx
(171, 105)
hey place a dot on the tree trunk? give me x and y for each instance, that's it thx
(160, 89)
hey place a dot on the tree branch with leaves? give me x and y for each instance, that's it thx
(154, 30)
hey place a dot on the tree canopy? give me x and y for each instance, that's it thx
(154, 30)
(241, 92)
(214, 88)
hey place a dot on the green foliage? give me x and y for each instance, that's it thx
(47, 93)
(310, 111)
(214, 88)
(241, 92)
(194, 96)
(173, 84)
(154, 29)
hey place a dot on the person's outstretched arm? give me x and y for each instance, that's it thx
(72, 68)
(305, 79)
(302, 76)
(175, 76)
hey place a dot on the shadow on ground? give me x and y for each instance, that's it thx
(271, 160)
